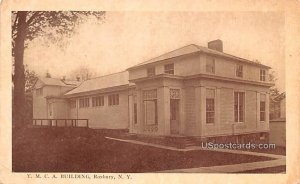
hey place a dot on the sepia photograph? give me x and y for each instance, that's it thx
(148, 92)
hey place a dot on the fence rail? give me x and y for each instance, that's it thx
(61, 122)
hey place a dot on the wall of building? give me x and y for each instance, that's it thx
(224, 108)
(196, 64)
(227, 68)
(108, 117)
(183, 66)
(282, 108)
(39, 102)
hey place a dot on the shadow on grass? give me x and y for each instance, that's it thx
(84, 150)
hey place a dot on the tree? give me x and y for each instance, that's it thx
(30, 79)
(27, 25)
(48, 75)
(83, 73)
(273, 90)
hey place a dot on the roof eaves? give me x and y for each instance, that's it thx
(91, 92)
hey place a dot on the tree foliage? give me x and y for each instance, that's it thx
(27, 25)
(83, 72)
(30, 79)
(273, 90)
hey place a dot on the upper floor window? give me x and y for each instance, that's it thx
(73, 104)
(113, 99)
(169, 68)
(98, 101)
(262, 107)
(210, 105)
(39, 91)
(84, 102)
(239, 70)
(239, 106)
(150, 71)
(262, 75)
(210, 65)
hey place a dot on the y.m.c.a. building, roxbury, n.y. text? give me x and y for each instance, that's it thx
(192, 91)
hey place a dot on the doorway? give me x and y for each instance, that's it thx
(174, 116)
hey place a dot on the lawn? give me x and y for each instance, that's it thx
(53, 150)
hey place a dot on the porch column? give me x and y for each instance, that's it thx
(130, 113)
(218, 108)
(258, 110)
(164, 106)
(182, 112)
(140, 120)
(198, 110)
(267, 111)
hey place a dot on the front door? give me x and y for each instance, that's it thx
(174, 116)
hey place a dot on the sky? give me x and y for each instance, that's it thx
(127, 38)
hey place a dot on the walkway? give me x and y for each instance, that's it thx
(280, 160)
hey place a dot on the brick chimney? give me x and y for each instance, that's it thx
(216, 45)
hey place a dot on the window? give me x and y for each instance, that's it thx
(113, 99)
(210, 105)
(39, 91)
(262, 75)
(73, 104)
(135, 109)
(239, 106)
(169, 68)
(84, 103)
(50, 109)
(135, 113)
(98, 101)
(150, 107)
(239, 70)
(262, 107)
(150, 71)
(210, 65)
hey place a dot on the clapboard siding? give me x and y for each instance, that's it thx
(190, 127)
(251, 109)
(226, 115)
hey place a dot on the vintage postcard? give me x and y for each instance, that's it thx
(164, 92)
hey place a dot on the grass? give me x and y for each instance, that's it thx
(60, 150)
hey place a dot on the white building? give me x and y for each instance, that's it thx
(191, 91)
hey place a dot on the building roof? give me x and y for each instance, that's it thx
(192, 48)
(103, 82)
(51, 81)
(71, 82)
